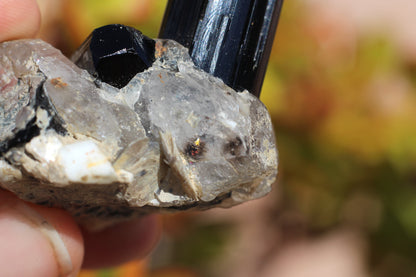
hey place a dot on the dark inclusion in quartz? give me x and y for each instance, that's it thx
(115, 54)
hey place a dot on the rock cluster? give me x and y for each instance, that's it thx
(173, 138)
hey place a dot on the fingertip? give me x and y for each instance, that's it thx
(121, 243)
(68, 231)
(37, 241)
(19, 19)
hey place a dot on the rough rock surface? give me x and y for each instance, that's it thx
(173, 138)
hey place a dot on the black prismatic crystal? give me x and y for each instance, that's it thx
(230, 39)
(115, 54)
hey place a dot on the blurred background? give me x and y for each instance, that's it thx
(341, 89)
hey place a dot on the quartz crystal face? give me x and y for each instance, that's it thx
(172, 138)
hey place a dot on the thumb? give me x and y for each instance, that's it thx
(18, 19)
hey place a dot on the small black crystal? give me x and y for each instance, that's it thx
(116, 53)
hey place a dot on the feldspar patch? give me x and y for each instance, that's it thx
(173, 138)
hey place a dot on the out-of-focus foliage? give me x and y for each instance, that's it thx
(84, 16)
(344, 109)
(345, 116)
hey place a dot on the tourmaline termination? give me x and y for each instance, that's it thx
(115, 54)
(172, 138)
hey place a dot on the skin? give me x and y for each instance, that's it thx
(26, 251)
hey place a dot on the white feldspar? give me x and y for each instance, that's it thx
(84, 163)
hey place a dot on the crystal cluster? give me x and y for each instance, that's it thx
(172, 138)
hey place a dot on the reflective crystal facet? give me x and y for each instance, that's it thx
(115, 53)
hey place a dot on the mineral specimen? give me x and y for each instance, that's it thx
(173, 138)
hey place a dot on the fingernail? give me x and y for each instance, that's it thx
(61, 253)
(22, 214)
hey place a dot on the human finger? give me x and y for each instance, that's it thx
(18, 19)
(121, 243)
(37, 241)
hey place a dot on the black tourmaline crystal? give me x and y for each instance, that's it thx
(230, 39)
(115, 54)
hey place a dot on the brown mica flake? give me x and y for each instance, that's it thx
(58, 83)
(161, 78)
(159, 49)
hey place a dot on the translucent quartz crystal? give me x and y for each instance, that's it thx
(173, 138)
